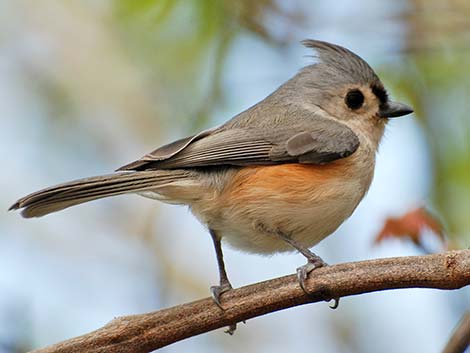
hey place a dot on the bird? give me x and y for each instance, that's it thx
(278, 177)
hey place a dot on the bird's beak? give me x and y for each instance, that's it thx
(394, 109)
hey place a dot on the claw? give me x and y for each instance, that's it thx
(313, 262)
(303, 271)
(302, 274)
(231, 329)
(217, 291)
(335, 304)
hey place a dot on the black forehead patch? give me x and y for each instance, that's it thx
(380, 92)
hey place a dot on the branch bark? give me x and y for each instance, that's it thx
(460, 339)
(147, 332)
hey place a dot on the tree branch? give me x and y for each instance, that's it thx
(147, 332)
(460, 339)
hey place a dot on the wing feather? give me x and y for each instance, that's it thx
(317, 141)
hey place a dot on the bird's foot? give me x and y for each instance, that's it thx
(231, 329)
(217, 291)
(313, 262)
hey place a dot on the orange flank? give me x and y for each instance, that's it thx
(296, 182)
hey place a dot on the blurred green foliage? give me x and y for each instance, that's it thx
(434, 76)
(155, 68)
(162, 62)
(196, 36)
(436, 79)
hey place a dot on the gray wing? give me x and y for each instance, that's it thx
(318, 142)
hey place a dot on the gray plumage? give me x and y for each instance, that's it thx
(72, 193)
(321, 142)
(282, 175)
(339, 66)
(305, 121)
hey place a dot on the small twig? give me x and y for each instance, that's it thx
(460, 339)
(147, 332)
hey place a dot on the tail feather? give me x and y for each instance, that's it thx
(61, 196)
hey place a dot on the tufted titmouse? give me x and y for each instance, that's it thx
(280, 176)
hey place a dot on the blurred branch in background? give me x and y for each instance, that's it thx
(460, 339)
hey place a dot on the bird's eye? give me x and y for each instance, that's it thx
(354, 99)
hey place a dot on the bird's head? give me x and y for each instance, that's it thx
(347, 88)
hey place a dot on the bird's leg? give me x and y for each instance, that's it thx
(313, 262)
(224, 283)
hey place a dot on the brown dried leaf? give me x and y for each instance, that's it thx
(411, 225)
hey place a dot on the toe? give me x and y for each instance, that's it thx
(303, 271)
(215, 294)
(217, 291)
(231, 329)
(335, 304)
